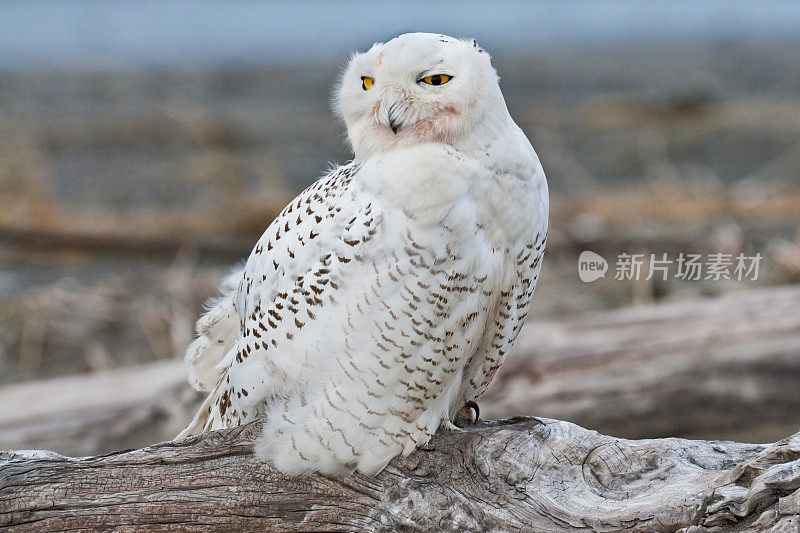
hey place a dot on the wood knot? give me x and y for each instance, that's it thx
(616, 470)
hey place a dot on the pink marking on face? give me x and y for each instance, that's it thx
(437, 128)
(379, 61)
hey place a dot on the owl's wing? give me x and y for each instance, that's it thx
(507, 317)
(228, 332)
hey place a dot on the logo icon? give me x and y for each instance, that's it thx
(591, 266)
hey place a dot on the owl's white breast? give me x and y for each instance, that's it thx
(498, 195)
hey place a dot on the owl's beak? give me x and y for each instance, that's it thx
(394, 120)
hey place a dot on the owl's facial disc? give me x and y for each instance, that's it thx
(414, 89)
(397, 106)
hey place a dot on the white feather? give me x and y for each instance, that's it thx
(217, 330)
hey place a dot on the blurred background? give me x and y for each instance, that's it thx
(146, 145)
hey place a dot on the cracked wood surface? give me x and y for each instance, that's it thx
(520, 474)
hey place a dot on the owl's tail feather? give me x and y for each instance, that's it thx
(217, 332)
(203, 419)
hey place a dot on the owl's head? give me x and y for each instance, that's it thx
(417, 88)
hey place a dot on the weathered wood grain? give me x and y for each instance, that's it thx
(521, 474)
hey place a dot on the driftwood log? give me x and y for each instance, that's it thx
(728, 366)
(721, 368)
(520, 474)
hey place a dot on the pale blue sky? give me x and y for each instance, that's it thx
(200, 32)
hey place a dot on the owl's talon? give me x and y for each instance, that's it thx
(474, 406)
(468, 415)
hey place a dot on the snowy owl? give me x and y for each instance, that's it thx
(382, 300)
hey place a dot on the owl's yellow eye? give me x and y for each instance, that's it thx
(437, 79)
(366, 83)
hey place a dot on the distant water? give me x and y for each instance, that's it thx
(161, 33)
